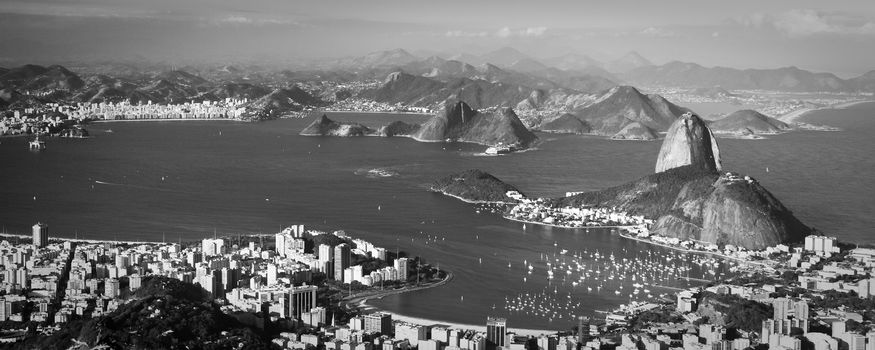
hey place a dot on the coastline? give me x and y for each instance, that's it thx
(793, 116)
(82, 240)
(162, 120)
(468, 200)
(625, 234)
(375, 112)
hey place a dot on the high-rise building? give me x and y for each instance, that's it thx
(378, 322)
(280, 245)
(496, 330)
(341, 260)
(326, 256)
(271, 274)
(135, 281)
(111, 288)
(301, 299)
(401, 268)
(40, 235)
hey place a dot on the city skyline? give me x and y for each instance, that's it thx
(806, 34)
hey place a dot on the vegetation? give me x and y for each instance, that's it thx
(164, 313)
(651, 196)
(739, 313)
(474, 185)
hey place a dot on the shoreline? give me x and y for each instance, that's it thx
(468, 200)
(792, 117)
(369, 112)
(362, 302)
(623, 232)
(83, 240)
(162, 120)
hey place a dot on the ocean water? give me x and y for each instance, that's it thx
(148, 180)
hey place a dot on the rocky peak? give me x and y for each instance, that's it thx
(689, 142)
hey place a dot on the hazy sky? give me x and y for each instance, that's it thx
(834, 36)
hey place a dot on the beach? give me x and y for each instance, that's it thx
(794, 115)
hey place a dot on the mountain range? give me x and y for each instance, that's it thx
(792, 79)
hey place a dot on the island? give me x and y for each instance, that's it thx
(477, 186)
(746, 123)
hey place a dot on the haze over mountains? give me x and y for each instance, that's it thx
(601, 96)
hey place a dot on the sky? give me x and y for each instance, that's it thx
(828, 36)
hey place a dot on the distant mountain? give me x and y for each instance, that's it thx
(577, 80)
(694, 75)
(635, 131)
(573, 61)
(281, 102)
(622, 105)
(493, 73)
(527, 65)
(440, 69)
(459, 122)
(566, 124)
(235, 91)
(19, 76)
(629, 61)
(467, 58)
(37, 78)
(864, 83)
(748, 122)
(504, 57)
(390, 58)
(412, 90)
(183, 78)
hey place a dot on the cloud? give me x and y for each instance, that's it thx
(464, 34)
(658, 32)
(807, 22)
(529, 32)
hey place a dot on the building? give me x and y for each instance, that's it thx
(271, 274)
(821, 245)
(378, 322)
(326, 256)
(496, 331)
(40, 235)
(341, 260)
(111, 288)
(135, 281)
(301, 299)
(411, 332)
(401, 269)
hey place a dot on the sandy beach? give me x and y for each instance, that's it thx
(794, 115)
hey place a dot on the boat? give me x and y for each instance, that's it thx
(37, 144)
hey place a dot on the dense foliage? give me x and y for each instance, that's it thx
(474, 185)
(739, 313)
(164, 314)
(651, 196)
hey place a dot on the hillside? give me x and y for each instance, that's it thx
(779, 79)
(474, 186)
(459, 122)
(748, 122)
(566, 124)
(164, 313)
(322, 126)
(635, 131)
(692, 203)
(622, 105)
